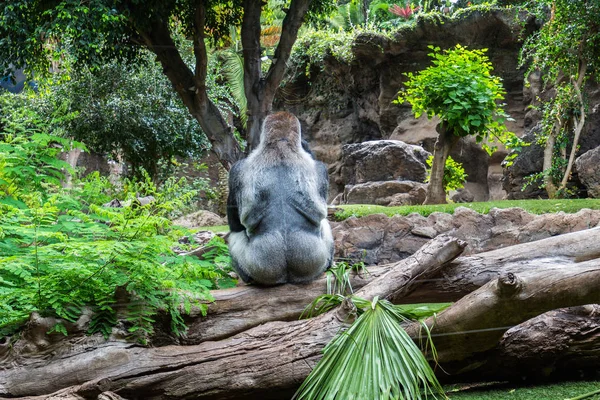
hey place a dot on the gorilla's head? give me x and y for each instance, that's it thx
(281, 129)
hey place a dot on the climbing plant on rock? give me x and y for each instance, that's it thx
(566, 50)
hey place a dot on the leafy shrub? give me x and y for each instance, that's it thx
(454, 174)
(61, 251)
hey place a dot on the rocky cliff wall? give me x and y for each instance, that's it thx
(352, 102)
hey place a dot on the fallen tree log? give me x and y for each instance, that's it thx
(238, 309)
(272, 359)
(264, 361)
(477, 322)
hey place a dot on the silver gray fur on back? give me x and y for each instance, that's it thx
(277, 209)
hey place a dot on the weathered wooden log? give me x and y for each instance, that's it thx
(170, 372)
(262, 362)
(238, 309)
(476, 323)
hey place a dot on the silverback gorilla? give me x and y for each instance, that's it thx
(277, 208)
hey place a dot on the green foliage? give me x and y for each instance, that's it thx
(570, 37)
(567, 52)
(61, 251)
(531, 206)
(374, 359)
(454, 174)
(315, 46)
(459, 89)
(96, 32)
(129, 111)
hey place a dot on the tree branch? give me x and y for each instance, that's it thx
(191, 87)
(578, 123)
(200, 46)
(291, 24)
(251, 49)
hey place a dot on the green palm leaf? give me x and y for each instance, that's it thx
(233, 71)
(374, 359)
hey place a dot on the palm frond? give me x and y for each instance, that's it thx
(233, 71)
(321, 305)
(374, 359)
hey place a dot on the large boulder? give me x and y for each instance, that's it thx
(383, 160)
(199, 219)
(588, 171)
(388, 193)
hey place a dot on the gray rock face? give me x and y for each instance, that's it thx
(383, 160)
(390, 193)
(588, 169)
(378, 239)
(463, 195)
(528, 162)
(200, 218)
(383, 172)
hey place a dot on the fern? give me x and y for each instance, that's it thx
(61, 250)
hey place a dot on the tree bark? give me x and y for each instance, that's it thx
(191, 86)
(260, 91)
(270, 360)
(436, 194)
(578, 123)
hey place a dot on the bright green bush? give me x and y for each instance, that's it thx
(61, 250)
(454, 174)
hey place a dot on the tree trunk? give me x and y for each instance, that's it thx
(260, 91)
(436, 193)
(578, 124)
(547, 164)
(270, 360)
(191, 85)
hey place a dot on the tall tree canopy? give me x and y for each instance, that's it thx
(37, 34)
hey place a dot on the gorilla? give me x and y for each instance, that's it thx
(277, 208)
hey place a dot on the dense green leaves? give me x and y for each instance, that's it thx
(62, 252)
(454, 174)
(566, 51)
(459, 89)
(570, 36)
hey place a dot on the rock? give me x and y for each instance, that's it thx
(203, 237)
(529, 161)
(463, 195)
(383, 160)
(588, 171)
(199, 219)
(114, 203)
(390, 193)
(378, 239)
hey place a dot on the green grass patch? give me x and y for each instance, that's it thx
(532, 206)
(555, 391)
(215, 229)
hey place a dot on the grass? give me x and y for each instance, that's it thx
(568, 206)
(215, 229)
(532, 206)
(555, 391)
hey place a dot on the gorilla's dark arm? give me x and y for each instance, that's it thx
(323, 182)
(257, 212)
(233, 215)
(306, 148)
